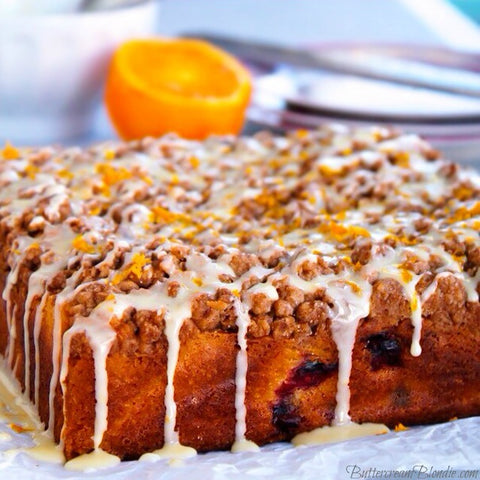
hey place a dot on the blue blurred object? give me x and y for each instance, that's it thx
(469, 7)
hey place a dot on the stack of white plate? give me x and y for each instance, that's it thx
(290, 97)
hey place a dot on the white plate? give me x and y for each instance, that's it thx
(349, 95)
(454, 445)
(299, 98)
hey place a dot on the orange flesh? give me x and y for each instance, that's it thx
(184, 86)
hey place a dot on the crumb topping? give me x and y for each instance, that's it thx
(327, 202)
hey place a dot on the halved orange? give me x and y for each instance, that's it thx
(189, 87)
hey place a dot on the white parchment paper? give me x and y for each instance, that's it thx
(450, 450)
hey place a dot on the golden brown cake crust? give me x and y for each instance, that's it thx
(392, 386)
(152, 290)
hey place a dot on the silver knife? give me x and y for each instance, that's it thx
(361, 63)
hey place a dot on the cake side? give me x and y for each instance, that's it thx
(238, 290)
(292, 382)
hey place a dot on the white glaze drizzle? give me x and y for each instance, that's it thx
(243, 320)
(337, 433)
(56, 342)
(349, 309)
(10, 309)
(174, 318)
(60, 245)
(36, 338)
(89, 462)
(35, 289)
(15, 408)
(100, 336)
(389, 265)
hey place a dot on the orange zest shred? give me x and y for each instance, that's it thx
(109, 154)
(354, 287)
(31, 171)
(95, 210)
(463, 192)
(19, 429)
(302, 133)
(217, 304)
(404, 239)
(112, 175)
(64, 173)
(346, 151)
(400, 427)
(328, 171)
(34, 245)
(465, 213)
(341, 233)
(194, 161)
(103, 188)
(162, 215)
(405, 275)
(401, 159)
(139, 260)
(9, 152)
(187, 86)
(414, 302)
(80, 244)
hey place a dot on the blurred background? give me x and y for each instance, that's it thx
(411, 63)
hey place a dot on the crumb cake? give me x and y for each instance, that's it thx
(239, 291)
